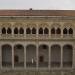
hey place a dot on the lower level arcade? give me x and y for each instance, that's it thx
(33, 56)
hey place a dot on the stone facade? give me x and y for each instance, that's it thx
(43, 44)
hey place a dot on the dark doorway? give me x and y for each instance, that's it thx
(16, 59)
(41, 59)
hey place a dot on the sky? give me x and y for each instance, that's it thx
(38, 4)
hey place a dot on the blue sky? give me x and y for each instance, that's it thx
(38, 4)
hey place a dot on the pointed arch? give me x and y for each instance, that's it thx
(40, 30)
(33, 30)
(58, 31)
(21, 30)
(46, 31)
(9, 31)
(65, 31)
(3, 30)
(53, 31)
(70, 31)
(16, 30)
(28, 31)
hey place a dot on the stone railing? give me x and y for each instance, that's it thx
(34, 36)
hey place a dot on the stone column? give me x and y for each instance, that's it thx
(73, 58)
(37, 62)
(61, 57)
(0, 57)
(12, 32)
(62, 32)
(37, 57)
(37, 34)
(49, 57)
(24, 57)
(12, 57)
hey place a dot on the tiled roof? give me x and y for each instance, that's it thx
(37, 12)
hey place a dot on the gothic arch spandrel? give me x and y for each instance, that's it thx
(18, 25)
(68, 25)
(31, 25)
(55, 25)
(44, 25)
(6, 25)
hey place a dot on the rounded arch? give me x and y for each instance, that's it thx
(55, 45)
(46, 31)
(53, 31)
(67, 55)
(18, 55)
(9, 31)
(30, 55)
(43, 55)
(18, 46)
(41, 30)
(65, 31)
(29, 45)
(3, 30)
(44, 46)
(55, 55)
(5, 45)
(68, 46)
(70, 31)
(28, 31)
(33, 30)
(6, 55)
(58, 31)
(21, 30)
(16, 30)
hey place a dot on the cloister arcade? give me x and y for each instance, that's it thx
(36, 56)
(33, 56)
(54, 29)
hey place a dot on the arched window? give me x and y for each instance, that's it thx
(3, 31)
(55, 55)
(65, 31)
(16, 31)
(33, 31)
(18, 55)
(70, 31)
(6, 54)
(43, 54)
(28, 31)
(21, 31)
(9, 31)
(46, 31)
(53, 31)
(30, 58)
(58, 31)
(41, 31)
(67, 55)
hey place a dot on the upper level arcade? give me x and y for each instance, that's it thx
(37, 24)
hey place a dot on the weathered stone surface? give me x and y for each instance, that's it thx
(37, 72)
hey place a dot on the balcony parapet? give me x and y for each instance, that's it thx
(34, 36)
